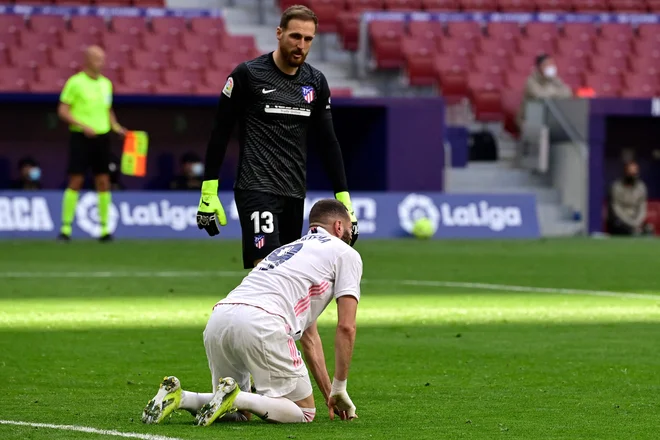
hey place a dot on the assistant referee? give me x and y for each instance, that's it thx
(86, 105)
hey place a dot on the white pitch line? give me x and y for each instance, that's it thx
(419, 283)
(89, 430)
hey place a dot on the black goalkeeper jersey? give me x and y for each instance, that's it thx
(274, 112)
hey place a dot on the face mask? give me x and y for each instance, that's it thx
(197, 169)
(35, 173)
(550, 71)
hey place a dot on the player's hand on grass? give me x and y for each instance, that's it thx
(210, 211)
(345, 198)
(341, 405)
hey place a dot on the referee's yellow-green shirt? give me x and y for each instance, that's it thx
(90, 100)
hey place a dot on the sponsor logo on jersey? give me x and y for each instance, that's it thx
(229, 87)
(308, 93)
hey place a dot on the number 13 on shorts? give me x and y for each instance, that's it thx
(263, 222)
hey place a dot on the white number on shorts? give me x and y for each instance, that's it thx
(267, 227)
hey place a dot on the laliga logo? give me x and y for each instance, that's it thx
(417, 206)
(87, 215)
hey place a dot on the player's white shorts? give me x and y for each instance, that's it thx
(241, 340)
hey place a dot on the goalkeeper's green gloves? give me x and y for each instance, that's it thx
(210, 211)
(345, 198)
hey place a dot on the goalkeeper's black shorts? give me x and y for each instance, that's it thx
(268, 221)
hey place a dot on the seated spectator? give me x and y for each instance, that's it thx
(29, 175)
(627, 204)
(543, 82)
(192, 173)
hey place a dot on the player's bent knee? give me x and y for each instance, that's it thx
(309, 414)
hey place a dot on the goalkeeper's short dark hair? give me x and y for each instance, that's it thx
(327, 211)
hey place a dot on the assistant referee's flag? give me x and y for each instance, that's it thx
(134, 156)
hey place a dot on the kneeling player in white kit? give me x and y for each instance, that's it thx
(254, 329)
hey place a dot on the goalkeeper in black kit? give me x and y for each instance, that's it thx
(275, 98)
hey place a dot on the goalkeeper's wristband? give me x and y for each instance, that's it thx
(338, 386)
(210, 187)
(345, 198)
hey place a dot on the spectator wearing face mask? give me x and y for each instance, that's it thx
(544, 82)
(192, 172)
(29, 175)
(627, 204)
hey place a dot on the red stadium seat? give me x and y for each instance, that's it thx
(144, 80)
(208, 26)
(66, 58)
(9, 39)
(51, 80)
(516, 6)
(429, 30)
(572, 66)
(453, 85)
(150, 3)
(654, 5)
(579, 31)
(224, 61)
(286, 3)
(464, 30)
(190, 60)
(487, 105)
(129, 25)
(480, 81)
(498, 48)
(240, 44)
(403, 5)
(180, 82)
(453, 46)
(117, 59)
(542, 31)
(216, 79)
(641, 84)
(419, 63)
(31, 58)
(609, 64)
(487, 61)
(326, 11)
(385, 37)
(523, 64)
(348, 27)
(151, 60)
(169, 25)
(649, 32)
(554, 5)
(511, 100)
(606, 47)
(12, 23)
(567, 46)
(162, 42)
(88, 25)
(16, 79)
(604, 85)
(364, 5)
(504, 31)
(200, 43)
(77, 40)
(617, 31)
(441, 5)
(121, 41)
(47, 24)
(341, 92)
(479, 5)
(590, 5)
(533, 48)
(628, 6)
(649, 65)
(32, 40)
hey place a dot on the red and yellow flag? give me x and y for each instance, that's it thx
(134, 156)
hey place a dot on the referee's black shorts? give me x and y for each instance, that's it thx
(268, 221)
(89, 153)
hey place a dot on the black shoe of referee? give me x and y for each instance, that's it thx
(63, 237)
(106, 238)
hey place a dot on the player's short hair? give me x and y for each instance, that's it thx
(298, 12)
(327, 211)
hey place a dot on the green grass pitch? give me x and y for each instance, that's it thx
(88, 330)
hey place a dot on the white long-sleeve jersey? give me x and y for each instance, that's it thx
(298, 281)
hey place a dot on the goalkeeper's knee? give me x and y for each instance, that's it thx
(309, 414)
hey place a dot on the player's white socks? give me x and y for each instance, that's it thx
(193, 402)
(274, 409)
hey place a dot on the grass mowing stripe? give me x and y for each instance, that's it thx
(88, 430)
(430, 283)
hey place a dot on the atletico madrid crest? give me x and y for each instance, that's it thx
(259, 241)
(308, 94)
